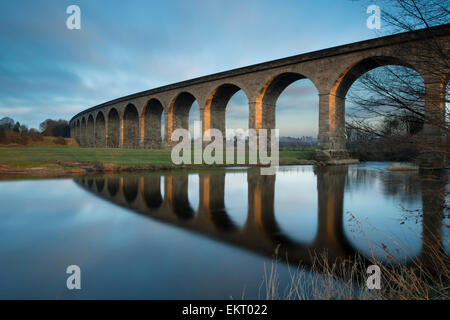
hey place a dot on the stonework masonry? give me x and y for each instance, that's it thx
(134, 121)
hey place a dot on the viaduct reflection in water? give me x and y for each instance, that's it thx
(261, 232)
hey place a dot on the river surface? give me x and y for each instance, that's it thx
(207, 234)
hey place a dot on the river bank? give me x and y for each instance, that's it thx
(69, 162)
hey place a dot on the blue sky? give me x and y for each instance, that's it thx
(48, 71)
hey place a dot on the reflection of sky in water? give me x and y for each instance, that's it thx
(193, 187)
(236, 197)
(296, 204)
(46, 225)
(162, 188)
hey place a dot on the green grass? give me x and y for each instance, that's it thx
(296, 156)
(38, 156)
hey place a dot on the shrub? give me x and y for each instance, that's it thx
(12, 137)
(60, 141)
(35, 136)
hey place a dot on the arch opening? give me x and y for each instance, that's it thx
(333, 129)
(177, 194)
(83, 132)
(226, 110)
(113, 129)
(212, 199)
(90, 131)
(151, 127)
(130, 188)
(151, 192)
(183, 111)
(355, 71)
(77, 131)
(289, 102)
(380, 110)
(100, 183)
(100, 131)
(130, 128)
(113, 185)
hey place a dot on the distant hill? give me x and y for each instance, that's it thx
(303, 142)
(291, 142)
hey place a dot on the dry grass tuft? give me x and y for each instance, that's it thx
(402, 167)
(346, 280)
(424, 277)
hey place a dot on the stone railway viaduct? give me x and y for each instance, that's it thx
(134, 121)
(261, 232)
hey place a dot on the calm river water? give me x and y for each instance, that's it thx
(206, 234)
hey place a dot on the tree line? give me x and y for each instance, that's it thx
(13, 132)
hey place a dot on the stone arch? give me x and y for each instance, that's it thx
(176, 194)
(212, 201)
(113, 129)
(353, 72)
(151, 191)
(261, 214)
(113, 184)
(100, 183)
(90, 131)
(100, 130)
(83, 132)
(77, 131)
(72, 129)
(332, 125)
(151, 124)
(268, 96)
(178, 116)
(130, 127)
(130, 188)
(214, 113)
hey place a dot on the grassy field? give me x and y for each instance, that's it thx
(32, 156)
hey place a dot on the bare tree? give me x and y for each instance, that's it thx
(388, 103)
(396, 107)
(55, 128)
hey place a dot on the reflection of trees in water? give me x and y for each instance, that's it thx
(434, 211)
(360, 178)
(404, 186)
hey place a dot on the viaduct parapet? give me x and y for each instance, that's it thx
(134, 121)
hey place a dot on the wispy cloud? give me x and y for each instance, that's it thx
(15, 111)
(47, 70)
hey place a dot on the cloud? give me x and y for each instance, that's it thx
(14, 111)
(47, 70)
